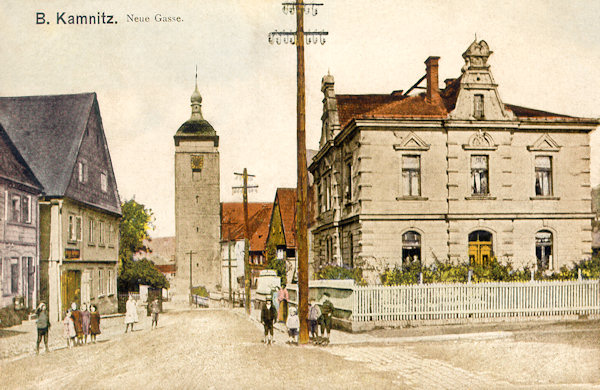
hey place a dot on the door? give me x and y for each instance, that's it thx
(480, 247)
(70, 288)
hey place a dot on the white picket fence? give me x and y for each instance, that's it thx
(481, 300)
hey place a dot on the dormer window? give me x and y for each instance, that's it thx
(82, 171)
(478, 112)
(103, 182)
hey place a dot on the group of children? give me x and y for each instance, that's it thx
(317, 316)
(79, 324)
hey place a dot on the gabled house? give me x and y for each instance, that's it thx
(19, 220)
(282, 230)
(62, 140)
(450, 174)
(232, 241)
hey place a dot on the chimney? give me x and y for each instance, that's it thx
(433, 89)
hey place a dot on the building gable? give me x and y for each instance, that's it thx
(12, 165)
(92, 180)
(411, 142)
(544, 144)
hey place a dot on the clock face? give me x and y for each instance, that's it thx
(197, 162)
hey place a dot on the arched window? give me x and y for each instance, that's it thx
(480, 247)
(411, 247)
(543, 249)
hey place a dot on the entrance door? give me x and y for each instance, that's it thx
(480, 247)
(70, 288)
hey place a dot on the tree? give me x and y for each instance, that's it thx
(134, 228)
(139, 272)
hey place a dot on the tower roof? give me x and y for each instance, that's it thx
(196, 125)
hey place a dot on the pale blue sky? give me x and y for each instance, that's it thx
(546, 56)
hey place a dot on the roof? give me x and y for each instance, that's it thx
(12, 165)
(398, 106)
(286, 198)
(47, 131)
(166, 268)
(161, 250)
(232, 222)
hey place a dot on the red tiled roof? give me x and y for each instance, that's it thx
(286, 198)
(396, 106)
(232, 222)
(161, 250)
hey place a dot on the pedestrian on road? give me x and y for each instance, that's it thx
(43, 324)
(314, 313)
(155, 310)
(293, 324)
(326, 317)
(283, 297)
(131, 316)
(268, 314)
(85, 322)
(69, 329)
(76, 315)
(94, 323)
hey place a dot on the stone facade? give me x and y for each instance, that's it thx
(197, 203)
(450, 175)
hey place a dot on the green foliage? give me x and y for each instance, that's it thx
(133, 273)
(337, 272)
(276, 238)
(134, 228)
(494, 271)
(200, 291)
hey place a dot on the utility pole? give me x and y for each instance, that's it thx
(191, 286)
(298, 38)
(244, 189)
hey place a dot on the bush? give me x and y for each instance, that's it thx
(337, 272)
(200, 291)
(446, 272)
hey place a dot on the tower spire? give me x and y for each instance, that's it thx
(196, 100)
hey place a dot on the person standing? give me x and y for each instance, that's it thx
(283, 297)
(293, 324)
(326, 318)
(76, 315)
(69, 329)
(94, 323)
(268, 315)
(155, 308)
(131, 316)
(85, 322)
(314, 313)
(43, 324)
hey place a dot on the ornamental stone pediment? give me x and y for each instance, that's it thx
(544, 144)
(481, 140)
(412, 142)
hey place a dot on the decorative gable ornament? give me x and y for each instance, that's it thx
(481, 140)
(544, 144)
(412, 142)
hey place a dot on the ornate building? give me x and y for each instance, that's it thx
(197, 203)
(450, 174)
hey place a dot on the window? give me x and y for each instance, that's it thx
(82, 171)
(26, 209)
(411, 247)
(319, 198)
(327, 185)
(543, 176)
(111, 233)
(110, 283)
(86, 286)
(91, 232)
(72, 235)
(15, 208)
(411, 176)
(351, 250)
(103, 182)
(329, 250)
(348, 194)
(543, 249)
(280, 253)
(101, 233)
(14, 275)
(478, 111)
(78, 228)
(100, 282)
(479, 175)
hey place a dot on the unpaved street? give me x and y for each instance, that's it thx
(222, 349)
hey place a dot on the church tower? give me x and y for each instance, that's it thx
(197, 202)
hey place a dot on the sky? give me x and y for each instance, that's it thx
(546, 56)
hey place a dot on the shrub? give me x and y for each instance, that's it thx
(200, 291)
(337, 272)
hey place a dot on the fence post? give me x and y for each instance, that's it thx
(532, 274)
(579, 274)
(469, 276)
(420, 277)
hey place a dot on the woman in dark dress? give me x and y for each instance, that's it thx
(85, 322)
(76, 316)
(94, 323)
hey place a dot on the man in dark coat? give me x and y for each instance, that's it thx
(268, 314)
(326, 317)
(43, 324)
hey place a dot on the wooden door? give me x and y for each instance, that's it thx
(480, 252)
(70, 288)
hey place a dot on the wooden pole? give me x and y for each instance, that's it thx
(246, 243)
(301, 217)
